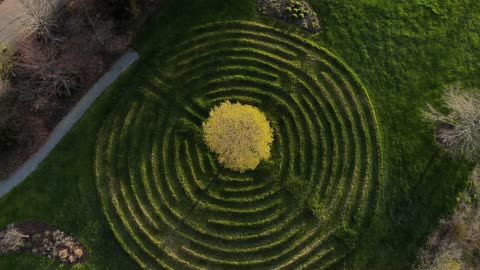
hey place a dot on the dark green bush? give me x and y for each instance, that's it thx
(7, 59)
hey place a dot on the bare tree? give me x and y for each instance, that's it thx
(459, 126)
(38, 18)
(11, 239)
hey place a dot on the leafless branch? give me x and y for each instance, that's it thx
(38, 18)
(462, 137)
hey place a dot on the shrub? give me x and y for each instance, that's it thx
(7, 62)
(123, 9)
(446, 261)
(239, 134)
(45, 73)
(7, 138)
(8, 131)
(91, 42)
(459, 126)
(458, 227)
(4, 87)
(38, 19)
(455, 244)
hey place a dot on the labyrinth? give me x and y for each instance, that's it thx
(172, 206)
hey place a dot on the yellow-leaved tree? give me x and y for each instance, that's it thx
(239, 134)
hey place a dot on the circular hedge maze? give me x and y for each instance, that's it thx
(172, 206)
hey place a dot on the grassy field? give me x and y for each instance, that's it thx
(403, 53)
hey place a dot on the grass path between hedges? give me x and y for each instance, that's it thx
(402, 52)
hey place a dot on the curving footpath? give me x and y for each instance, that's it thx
(67, 123)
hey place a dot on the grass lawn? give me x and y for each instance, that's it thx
(403, 53)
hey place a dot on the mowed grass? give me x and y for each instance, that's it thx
(403, 52)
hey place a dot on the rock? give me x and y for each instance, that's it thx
(71, 258)
(78, 252)
(63, 254)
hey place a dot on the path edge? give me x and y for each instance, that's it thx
(68, 122)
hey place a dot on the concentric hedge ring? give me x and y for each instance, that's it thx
(172, 206)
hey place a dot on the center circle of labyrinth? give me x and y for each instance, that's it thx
(172, 206)
(239, 134)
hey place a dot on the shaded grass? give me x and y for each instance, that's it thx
(403, 51)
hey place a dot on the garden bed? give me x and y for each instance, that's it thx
(46, 240)
(298, 13)
(32, 103)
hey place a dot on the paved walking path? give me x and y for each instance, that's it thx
(10, 24)
(67, 123)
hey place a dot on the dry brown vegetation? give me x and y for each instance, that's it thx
(459, 124)
(456, 243)
(58, 58)
(39, 19)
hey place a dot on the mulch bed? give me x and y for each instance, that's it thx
(51, 242)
